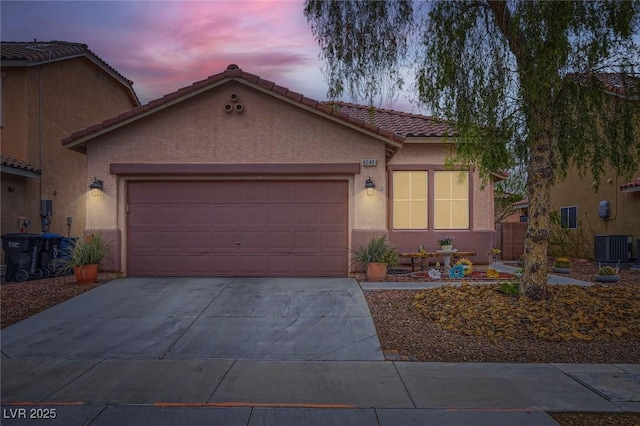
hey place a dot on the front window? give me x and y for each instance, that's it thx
(410, 200)
(569, 217)
(451, 200)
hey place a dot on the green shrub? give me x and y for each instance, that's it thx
(91, 250)
(377, 250)
(510, 289)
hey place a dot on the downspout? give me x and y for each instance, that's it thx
(41, 138)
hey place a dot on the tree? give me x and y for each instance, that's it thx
(522, 80)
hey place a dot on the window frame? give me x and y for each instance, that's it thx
(468, 199)
(426, 200)
(567, 221)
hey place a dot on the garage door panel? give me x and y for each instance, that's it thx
(237, 228)
(253, 240)
(197, 215)
(279, 241)
(222, 215)
(224, 240)
(279, 216)
(254, 216)
(333, 240)
(172, 215)
(335, 215)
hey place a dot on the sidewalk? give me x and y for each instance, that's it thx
(167, 392)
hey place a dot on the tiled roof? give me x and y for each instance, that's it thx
(14, 163)
(616, 83)
(233, 73)
(633, 184)
(400, 123)
(29, 53)
(524, 203)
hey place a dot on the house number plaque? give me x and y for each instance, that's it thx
(369, 162)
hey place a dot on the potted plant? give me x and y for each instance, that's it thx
(446, 242)
(376, 256)
(83, 258)
(561, 265)
(607, 274)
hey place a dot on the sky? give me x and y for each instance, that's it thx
(165, 45)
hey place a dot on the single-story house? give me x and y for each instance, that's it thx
(236, 175)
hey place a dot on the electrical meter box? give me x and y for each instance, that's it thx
(604, 209)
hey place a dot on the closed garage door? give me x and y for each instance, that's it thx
(243, 228)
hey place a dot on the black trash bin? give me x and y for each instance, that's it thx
(49, 253)
(22, 256)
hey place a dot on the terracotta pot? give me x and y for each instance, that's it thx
(376, 271)
(86, 274)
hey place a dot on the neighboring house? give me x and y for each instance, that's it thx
(579, 205)
(235, 175)
(49, 90)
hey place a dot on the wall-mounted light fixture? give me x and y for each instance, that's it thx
(370, 186)
(96, 186)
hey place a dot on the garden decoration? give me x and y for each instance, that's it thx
(467, 265)
(446, 242)
(492, 273)
(434, 274)
(456, 271)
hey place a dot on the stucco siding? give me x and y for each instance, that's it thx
(74, 94)
(579, 192)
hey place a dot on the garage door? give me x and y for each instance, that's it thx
(237, 228)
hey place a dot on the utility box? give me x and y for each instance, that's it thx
(604, 209)
(613, 248)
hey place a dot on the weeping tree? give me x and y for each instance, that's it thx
(538, 84)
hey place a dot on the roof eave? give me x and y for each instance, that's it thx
(631, 189)
(79, 144)
(18, 171)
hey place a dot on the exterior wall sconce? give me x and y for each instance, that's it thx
(96, 186)
(370, 186)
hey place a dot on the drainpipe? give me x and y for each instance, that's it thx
(41, 141)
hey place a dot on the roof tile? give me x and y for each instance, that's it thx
(35, 52)
(632, 184)
(233, 71)
(14, 163)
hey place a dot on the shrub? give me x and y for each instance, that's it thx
(91, 250)
(377, 250)
(510, 289)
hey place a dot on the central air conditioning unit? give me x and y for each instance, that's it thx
(613, 248)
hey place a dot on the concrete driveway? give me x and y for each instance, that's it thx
(204, 318)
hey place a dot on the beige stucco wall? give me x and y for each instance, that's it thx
(269, 130)
(625, 207)
(75, 94)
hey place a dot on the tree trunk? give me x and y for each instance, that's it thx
(540, 178)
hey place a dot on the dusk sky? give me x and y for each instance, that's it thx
(165, 45)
